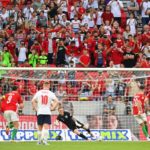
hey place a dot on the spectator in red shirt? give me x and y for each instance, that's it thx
(115, 30)
(72, 92)
(81, 10)
(85, 59)
(11, 46)
(37, 47)
(107, 15)
(72, 49)
(116, 55)
(146, 34)
(143, 61)
(119, 41)
(32, 89)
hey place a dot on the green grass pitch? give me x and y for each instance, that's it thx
(76, 146)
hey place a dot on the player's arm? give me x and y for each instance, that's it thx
(54, 104)
(20, 108)
(20, 104)
(2, 97)
(34, 104)
(56, 122)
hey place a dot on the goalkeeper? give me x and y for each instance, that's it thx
(71, 123)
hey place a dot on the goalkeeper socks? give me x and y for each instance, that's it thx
(144, 131)
(14, 132)
(39, 136)
(88, 130)
(45, 135)
(83, 136)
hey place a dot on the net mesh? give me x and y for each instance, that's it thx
(84, 93)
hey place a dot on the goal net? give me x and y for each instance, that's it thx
(99, 98)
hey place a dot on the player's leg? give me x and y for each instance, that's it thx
(45, 130)
(15, 129)
(140, 119)
(76, 131)
(146, 126)
(144, 118)
(40, 127)
(40, 134)
(45, 133)
(144, 129)
(15, 120)
(8, 127)
(7, 117)
(81, 125)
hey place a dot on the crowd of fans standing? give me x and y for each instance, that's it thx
(74, 33)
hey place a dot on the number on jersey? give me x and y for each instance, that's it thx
(9, 99)
(44, 99)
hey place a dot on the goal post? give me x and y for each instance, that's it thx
(101, 98)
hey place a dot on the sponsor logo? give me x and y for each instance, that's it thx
(68, 135)
(29, 135)
(111, 135)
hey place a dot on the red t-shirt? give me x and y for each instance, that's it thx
(107, 16)
(32, 88)
(116, 56)
(81, 11)
(11, 47)
(72, 50)
(85, 60)
(72, 94)
(120, 43)
(37, 48)
(10, 101)
(138, 98)
(145, 38)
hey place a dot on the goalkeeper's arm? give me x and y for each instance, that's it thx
(56, 122)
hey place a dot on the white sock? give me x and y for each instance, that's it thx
(45, 134)
(39, 136)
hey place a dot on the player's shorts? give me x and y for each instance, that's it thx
(43, 119)
(79, 124)
(72, 125)
(140, 118)
(11, 116)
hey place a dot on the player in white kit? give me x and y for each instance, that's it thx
(43, 102)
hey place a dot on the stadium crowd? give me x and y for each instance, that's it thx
(74, 33)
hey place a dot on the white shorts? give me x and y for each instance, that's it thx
(11, 116)
(141, 118)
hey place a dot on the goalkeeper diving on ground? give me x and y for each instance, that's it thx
(73, 124)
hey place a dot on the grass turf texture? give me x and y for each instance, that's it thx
(76, 146)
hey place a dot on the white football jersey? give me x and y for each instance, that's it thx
(44, 98)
